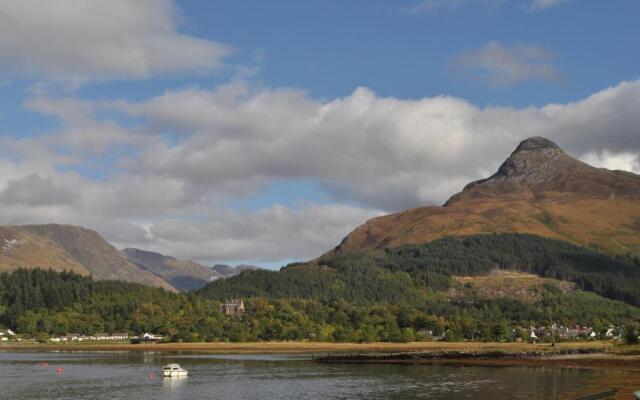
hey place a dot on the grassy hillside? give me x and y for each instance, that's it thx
(20, 248)
(69, 248)
(96, 254)
(405, 274)
(607, 225)
(539, 189)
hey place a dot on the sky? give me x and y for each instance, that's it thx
(264, 132)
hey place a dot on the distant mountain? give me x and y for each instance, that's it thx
(81, 250)
(66, 247)
(21, 248)
(183, 275)
(539, 189)
(227, 270)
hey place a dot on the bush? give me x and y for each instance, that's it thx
(631, 334)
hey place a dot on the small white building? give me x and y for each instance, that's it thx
(6, 334)
(119, 336)
(151, 336)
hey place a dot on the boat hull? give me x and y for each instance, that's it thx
(174, 374)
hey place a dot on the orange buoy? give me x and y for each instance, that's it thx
(59, 370)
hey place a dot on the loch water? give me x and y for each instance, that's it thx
(135, 376)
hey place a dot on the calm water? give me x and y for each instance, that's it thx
(133, 376)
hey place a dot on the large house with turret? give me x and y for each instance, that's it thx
(233, 307)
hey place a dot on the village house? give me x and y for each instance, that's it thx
(112, 336)
(6, 334)
(147, 338)
(76, 337)
(563, 332)
(119, 336)
(613, 333)
(576, 332)
(234, 307)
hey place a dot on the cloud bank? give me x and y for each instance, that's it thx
(191, 152)
(163, 173)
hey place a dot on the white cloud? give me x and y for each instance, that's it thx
(429, 6)
(625, 161)
(91, 39)
(384, 153)
(540, 5)
(80, 129)
(369, 152)
(500, 64)
(33, 190)
(271, 234)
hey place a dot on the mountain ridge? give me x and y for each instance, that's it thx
(228, 270)
(539, 189)
(73, 248)
(182, 274)
(101, 259)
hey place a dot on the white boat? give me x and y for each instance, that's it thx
(173, 371)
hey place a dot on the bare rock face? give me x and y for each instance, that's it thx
(537, 160)
(540, 165)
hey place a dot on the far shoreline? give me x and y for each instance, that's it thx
(591, 354)
(319, 347)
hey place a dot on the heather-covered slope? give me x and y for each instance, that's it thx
(19, 247)
(66, 247)
(539, 189)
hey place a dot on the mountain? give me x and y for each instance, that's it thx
(19, 247)
(183, 275)
(539, 189)
(542, 213)
(85, 252)
(66, 247)
(476, 280)
(227, 270)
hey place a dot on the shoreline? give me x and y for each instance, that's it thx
(591, 355)
(327, 347)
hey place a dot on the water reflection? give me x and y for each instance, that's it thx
(173, 384)
(136, 376)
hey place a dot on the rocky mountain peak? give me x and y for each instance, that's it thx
(540, 165)
(536, 143)
(536, 160)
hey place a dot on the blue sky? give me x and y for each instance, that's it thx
(328, 48)
(264, 131)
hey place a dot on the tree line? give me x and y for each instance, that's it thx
(402, 275)
(46, 303)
